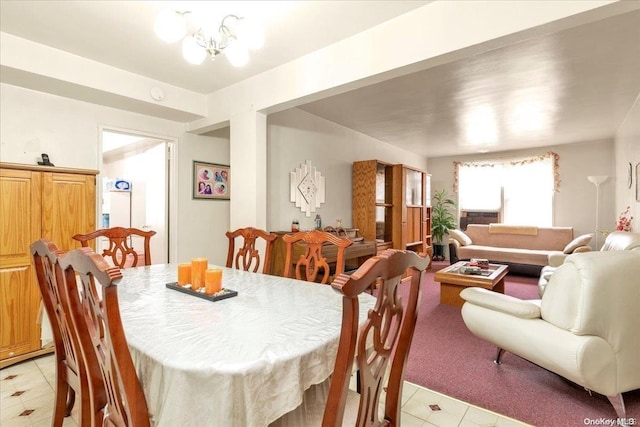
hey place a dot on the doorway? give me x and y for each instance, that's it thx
(134, 186)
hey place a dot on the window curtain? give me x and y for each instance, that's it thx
(522, 189)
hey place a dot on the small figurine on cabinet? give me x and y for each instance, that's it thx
(45, 160)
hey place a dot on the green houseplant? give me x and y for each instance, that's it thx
(442, 220)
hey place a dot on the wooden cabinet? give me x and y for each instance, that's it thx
(411, 214)
(372, 201)
(35, 202)
(391, 204)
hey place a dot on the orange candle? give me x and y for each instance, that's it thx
(184, 274)
(198, 267)
(213, 281)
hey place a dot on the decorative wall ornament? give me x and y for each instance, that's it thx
(307, 188)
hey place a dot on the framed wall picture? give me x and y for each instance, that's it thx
(211, 181)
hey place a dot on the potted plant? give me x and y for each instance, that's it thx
(442, 220)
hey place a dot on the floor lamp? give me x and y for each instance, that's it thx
(597, 180)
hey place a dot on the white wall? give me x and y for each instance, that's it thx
(574, 204)
(627, 150)
(294, 136)
(204, 222)
(34, 122)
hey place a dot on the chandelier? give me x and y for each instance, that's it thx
(234, 37)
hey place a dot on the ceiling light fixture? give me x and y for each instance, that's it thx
(234, 37)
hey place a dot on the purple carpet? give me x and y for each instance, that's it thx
(447, 358)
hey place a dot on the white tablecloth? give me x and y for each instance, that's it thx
(243, 361)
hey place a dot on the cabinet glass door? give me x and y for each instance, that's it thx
(383, 223)
(383, 184)
(413, 192)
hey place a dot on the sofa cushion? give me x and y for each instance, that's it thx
(577, 242)
(547, 238)
(505, 255)
(460, 237)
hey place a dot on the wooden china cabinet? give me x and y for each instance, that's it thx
(391, 204)
(411, 209)
(35, 202)
(372, 201)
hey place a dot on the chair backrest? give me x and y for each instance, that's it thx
(311, 263)
(69, 363)
(389, 327)
(248, 256)
(120, 251)
(125, 404)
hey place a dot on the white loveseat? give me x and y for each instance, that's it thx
(585, 328)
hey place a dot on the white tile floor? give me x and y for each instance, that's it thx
(26, 393)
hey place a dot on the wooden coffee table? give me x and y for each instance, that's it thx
(452, 282)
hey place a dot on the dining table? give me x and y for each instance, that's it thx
(243, 361)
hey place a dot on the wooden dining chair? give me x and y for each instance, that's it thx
(120, 250)
(121, 398)
(248, 257)
(389, 327)
(311, 265)
(71, 377)
(379, 346)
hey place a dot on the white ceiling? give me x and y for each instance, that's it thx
(121, 34)
(571, 86)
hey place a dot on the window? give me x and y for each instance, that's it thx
(522, 189)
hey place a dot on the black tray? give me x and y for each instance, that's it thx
(223, 294)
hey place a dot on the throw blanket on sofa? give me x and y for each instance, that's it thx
(525, 230)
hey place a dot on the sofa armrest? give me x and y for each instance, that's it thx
(556, 259)
(503, 303)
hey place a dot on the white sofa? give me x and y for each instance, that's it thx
(615, 241)
(585, 327)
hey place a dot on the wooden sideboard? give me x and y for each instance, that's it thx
(355, 254)
(35, 202)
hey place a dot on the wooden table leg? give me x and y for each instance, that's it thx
(450, 294)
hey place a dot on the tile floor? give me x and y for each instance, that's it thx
(26, 397)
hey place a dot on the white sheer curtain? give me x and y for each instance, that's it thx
(479, 187)
(528, 193)
(521, 189)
